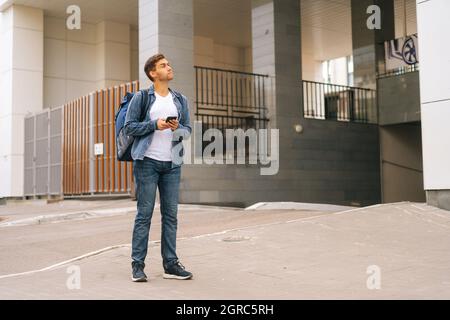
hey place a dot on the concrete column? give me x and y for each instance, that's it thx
(433, 25)
(21, 88)
(276, 52)
(368, 45)
(113, 54)
(166, 26)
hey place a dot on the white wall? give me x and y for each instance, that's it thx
(69, 61)
(411, 18)
(113, 54)
(433, 25)
(311, 67)
(21, 81)
(77, 62)
(210, 54)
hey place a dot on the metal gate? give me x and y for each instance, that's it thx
(42, 154)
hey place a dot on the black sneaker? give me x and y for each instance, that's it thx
(177, 271)
(138, 272)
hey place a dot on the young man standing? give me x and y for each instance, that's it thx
(156, 163)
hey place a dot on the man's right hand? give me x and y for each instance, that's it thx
(162, 124)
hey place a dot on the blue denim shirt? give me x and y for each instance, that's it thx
(143, 131)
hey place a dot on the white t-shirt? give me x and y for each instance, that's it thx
(161, 146)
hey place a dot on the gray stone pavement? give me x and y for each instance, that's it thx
(238, 254)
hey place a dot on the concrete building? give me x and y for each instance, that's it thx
(352, 115)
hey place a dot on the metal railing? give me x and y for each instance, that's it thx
(341, 103)
(399, 71)
(228, 99)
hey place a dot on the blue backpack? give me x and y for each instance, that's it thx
(124, 142)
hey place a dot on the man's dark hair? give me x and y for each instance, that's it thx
(150, 65)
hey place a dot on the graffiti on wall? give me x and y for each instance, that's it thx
(401, 52)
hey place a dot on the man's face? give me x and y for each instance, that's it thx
(163, 71)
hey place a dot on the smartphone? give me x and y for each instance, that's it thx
(168, 119)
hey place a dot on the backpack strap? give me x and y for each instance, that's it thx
(144, 106)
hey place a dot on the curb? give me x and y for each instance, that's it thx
(297, 206)
(79, 215)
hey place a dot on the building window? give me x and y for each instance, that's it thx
(338, 71)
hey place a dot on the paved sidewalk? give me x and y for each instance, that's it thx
(324, 256)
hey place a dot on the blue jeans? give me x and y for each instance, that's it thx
(148, 174)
